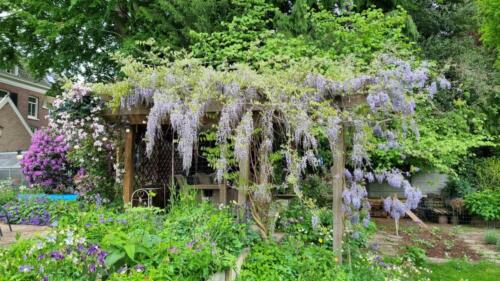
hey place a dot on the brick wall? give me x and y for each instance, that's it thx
(14, 134)
(22, 104)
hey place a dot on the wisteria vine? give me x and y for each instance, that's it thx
(305, 102)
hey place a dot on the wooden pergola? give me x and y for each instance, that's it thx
(137, 116)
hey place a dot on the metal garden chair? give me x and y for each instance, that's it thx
(3, 213)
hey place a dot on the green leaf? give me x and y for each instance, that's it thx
(130, 249)
(113, 258)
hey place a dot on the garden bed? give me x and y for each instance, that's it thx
(436, 241)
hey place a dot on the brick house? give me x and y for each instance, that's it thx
(24, 106)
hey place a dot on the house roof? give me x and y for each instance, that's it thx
(6, 101)
(23, 80)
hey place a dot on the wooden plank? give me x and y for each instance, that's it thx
(416, 219)
(128, 177)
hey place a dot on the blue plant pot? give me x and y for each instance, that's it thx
(54, 197)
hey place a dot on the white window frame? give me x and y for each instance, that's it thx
(45, 103)
(35, 116)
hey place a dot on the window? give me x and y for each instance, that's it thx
(32, 107)
(13, 96)
(45, 102)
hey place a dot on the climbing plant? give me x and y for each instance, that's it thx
(300, 104)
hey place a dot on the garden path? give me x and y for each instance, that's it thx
(474, 236)
(22, 230)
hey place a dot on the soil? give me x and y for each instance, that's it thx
(438, 242)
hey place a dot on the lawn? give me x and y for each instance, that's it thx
(463, 270)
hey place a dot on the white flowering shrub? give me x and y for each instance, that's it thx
(78, 116)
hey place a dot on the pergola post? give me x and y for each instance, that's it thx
(338, 152)
(244, 179)
(128, 158)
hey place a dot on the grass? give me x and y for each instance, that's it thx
(490, 237)
(463, 270)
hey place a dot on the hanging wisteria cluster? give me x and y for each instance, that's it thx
(299, 99)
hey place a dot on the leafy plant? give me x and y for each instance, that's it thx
(7, 192)
(132, 248)
(484, 203)
(491, 237)
(291, 261)
(487, 175)
(40, 211)
(416, 255)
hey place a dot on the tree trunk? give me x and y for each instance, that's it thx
(338, 151)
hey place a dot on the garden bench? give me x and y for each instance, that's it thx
(203, 182)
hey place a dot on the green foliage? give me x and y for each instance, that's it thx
(487, 173)
(7, 192)
(415, 255)
(464, 270)
(498, 245)
(128, 248)
(489, 10)
(491, 237)
(191, 242)
(290, 261)
(318, 189)
(250, 39)
(444, 139)
(77, 37)
(484, 203)
(457, 187)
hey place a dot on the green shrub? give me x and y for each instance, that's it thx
(498, 244)
(7, 192)
(488, 173)
(290, 261)
(457, 187)
(316, 188)
(490, 237)
(416, 255)
(484, 203)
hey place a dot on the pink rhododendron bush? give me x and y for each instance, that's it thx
(45, 164)
(75, 154)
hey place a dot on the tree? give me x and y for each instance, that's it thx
(77, 37)
(489, 10)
